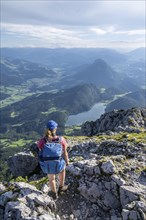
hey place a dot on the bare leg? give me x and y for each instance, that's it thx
(62, 178)
(52, 182)
(62, 187)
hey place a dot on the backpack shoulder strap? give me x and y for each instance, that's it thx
(59, 139)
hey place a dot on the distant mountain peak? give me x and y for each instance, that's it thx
(99, 73)
(100, 62)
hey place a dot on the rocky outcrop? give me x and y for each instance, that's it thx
(118, 120)
(23, 201)
(107, 181)
(99, 183)
(112, 176)
(22, 164)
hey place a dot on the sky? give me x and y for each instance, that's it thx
(117, 24)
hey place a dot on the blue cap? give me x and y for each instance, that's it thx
(52, 125)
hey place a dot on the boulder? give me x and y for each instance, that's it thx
(129, 194)
(108, 167)
(22, 164)
(27, 203)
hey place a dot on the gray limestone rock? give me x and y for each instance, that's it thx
(118, 180)
(22, 164)
(74, 170)
(117, 120)
(108, 167)
(17, 210)
(2, 188)
(4, 198)
(129, 194)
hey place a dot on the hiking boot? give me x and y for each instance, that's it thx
(53, 195)
(62, 189)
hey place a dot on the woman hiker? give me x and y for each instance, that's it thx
(53, 157)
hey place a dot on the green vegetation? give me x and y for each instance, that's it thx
(72, 130)
(16, 94)
(39, 183)
(14, 114)
(20, 179)
(76, 159)
(32, 112)
(130, 137)
(53, 109)
(9, 148)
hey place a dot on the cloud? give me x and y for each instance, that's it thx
(49, 36)
(46, 34)
(72, 23)
(113, 30)
(121, 13)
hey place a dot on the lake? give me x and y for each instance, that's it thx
(91, 115)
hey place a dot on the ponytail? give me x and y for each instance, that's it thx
(49, 133)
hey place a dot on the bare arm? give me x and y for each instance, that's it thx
(65, 153)
(66, 156)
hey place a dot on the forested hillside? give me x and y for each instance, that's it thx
(32, 112)
(134, 99)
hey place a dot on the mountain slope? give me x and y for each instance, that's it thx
(134, 99)
(15, 72)
(98, 73)
(32, 112)
(62, 57)
(137, 54)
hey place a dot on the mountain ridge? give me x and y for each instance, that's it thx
(116, 120)
(16, 72)
(133, 99)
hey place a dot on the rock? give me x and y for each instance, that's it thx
(125, 214)
(17, 210)
(22, 164)
(2, 188)
(129, 194)
(75, 171)
(28, 203)
(141, 205)
(108, 167)
(135, 210)
(45, 188)
(46, 217)
(4, 198)
(110, 201)
(118, 180)
(26, 188)
(34, 149)
(134, 215)
(117, 120)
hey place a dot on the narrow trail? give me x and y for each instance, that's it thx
(73, 206)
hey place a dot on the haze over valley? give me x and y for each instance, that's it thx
(79, 81)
